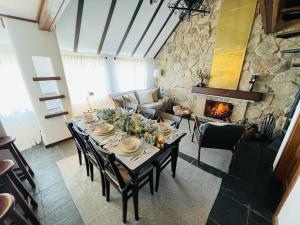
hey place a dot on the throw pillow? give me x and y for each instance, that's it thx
(155, 94)
(126, 98)
(130, 98)
(145, 97)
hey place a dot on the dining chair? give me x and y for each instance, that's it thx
(130, 106)
(166, 157)
(80, 152)
(91, 161)
(147, 112)
(224, 136)
(119, 177)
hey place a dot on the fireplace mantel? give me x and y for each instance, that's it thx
(242, 95)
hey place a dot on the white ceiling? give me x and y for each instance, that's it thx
(27, 9)
(93, 21)
(94, 17)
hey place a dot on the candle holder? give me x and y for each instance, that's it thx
(160, 141)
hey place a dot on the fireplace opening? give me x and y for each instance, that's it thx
(218, 110)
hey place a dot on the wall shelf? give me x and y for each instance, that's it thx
(45, 78)
(290, 50)
(218, 92)
(56, 114)
(295, 64)
(51, 97)
(289, 34)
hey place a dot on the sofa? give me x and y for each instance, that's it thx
(158, 101)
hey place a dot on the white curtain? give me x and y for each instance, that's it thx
(86, 74)
(16, 112)
(131, 74)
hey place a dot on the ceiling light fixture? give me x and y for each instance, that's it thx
(188, 8)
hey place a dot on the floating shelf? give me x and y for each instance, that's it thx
(56, 114)
(294, 64)
(290, 50)
(45, 78)
(242, 95)
(290, 34)
(51, 97)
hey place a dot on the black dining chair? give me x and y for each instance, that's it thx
(166, 157)
(88, 152)
(80, 151)
(130, 106)
(147, 112)
(119, 177)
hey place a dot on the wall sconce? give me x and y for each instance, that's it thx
(156, 73)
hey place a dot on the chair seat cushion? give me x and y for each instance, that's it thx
(127, 178)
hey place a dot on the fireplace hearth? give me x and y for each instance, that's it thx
(218, 110)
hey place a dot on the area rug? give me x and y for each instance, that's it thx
(185, 200)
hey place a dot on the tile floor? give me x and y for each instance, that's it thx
(248, 194)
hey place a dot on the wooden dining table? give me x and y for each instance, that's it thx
(148, 153)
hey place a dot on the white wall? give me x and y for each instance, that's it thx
(289, 214)
(287, 135)
(2, 131)
(28, 41)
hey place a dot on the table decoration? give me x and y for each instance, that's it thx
(123, 120)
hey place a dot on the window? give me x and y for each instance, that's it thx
(85, 74)
(131, 74)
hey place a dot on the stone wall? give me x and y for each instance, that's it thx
(192, 45)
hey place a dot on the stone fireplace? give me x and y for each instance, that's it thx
(193, 42)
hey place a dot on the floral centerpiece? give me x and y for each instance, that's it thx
(124, 121)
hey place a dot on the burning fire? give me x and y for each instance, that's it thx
(219, 110)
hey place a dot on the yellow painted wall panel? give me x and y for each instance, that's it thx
(231, 42)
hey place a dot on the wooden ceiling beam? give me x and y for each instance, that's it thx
(108, 19)
(78, 24)
(50, 13)
(130, 25)
(146, 29)
(17, 18)
(266, 8)
(161, 29)
(167, 39)
(275, 15)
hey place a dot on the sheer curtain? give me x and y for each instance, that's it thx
(16, 112)
(86, 74)
(131, 74)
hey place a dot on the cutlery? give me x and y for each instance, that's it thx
(144, 152)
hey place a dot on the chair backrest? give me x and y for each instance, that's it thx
(95, 149)
(162, 117)
(147, 112)
(70, 126)
(82, 139)
(130, 106)
(220, 136)
(107, 162)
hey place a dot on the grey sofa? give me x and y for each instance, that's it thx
(164, 103)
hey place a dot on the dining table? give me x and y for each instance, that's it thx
(147, 153)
